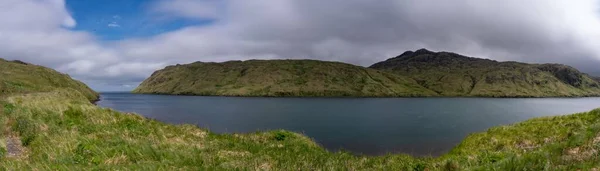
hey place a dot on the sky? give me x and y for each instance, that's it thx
(114, 45)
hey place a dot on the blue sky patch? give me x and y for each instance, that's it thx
(117, 20)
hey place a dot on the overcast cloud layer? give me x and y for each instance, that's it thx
(361, 32)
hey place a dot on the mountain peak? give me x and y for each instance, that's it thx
(423, 50)
(409, 53)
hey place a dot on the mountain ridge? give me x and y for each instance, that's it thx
(420, 73)
(277, 78)
(451, 74)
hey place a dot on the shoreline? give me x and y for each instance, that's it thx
(374, 97)
(536, 138)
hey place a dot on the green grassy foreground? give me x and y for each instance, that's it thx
(61, 130)
(48, 123)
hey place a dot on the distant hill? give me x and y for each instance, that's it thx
(595, 78)
(419, 73)
(48, 123)
(279, 78)
(17, 77)
(451, 74)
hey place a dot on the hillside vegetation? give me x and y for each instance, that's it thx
(420, 73)
(450, 74)
(57, 128)
(61, 130)
(17, 77)
(279, 78)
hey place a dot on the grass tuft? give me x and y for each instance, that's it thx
(62, 131)
(26, 129)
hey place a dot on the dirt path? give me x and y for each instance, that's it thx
(13, 147)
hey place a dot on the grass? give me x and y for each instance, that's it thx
(61, 130)
(422, 73)
(18, 77)
(279, 78)
(451, 74)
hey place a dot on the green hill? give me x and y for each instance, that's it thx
(55, 127)
(279, 78)
(17, 77)
(450, 74)
(595, 78)
(420, 73)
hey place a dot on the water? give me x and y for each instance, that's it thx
(370, 126)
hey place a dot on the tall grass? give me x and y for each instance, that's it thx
(61, 130)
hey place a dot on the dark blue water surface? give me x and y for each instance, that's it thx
(371, 126)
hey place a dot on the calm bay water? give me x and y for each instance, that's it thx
(372, 126)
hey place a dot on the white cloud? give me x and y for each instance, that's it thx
(363, 32)
(34, 31)
(197, 9)
(113, 24)
(356, 31)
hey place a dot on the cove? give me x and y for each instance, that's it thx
(369, 126)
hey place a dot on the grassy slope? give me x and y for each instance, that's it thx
(454, 75)
(61, 130)
(279, 78)
(421, 73)
(18, 77)
(595, 78)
